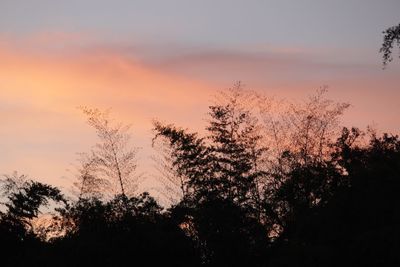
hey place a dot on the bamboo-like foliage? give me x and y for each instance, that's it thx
(110, 165)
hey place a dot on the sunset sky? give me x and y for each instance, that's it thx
(165, 59)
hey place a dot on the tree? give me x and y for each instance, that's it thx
(236, 145)
(303, 129)
(222, 175)
(226, 235)
(122, 230)
(88, 183)
(191, 160)
(227, 162)
(173, 186)
(112, 162)
(356, 222)
(299, 136)
(24, 200)
(391, 37)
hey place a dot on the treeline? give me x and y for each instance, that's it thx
(270, 183)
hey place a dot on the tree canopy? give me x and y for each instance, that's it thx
(391, 37)
(270, 183)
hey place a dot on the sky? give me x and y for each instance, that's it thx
(165, 60)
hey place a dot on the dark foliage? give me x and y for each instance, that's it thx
(358, 223)
(391, 37)
(334, 206)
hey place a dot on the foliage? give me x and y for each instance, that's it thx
(391, 37)
(264, 187)
(111, 164)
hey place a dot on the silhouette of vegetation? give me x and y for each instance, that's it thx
(391, 37)
(271, 183)
(111, 164)
(24, 198)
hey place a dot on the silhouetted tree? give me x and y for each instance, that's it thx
(191, 159)
(221, 173)
(305, 129)
(24, 198)
(89, 184)
(356, 221)
(391, 37)
(226, 162)
(121, 231)
(300, 138)
(236, 145)
(224, 232)
(316, 197)
(111, 161)
(173, 185)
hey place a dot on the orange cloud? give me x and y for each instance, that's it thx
(98, 78)
(39, 93)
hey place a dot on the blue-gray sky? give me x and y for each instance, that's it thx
(212, 22)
